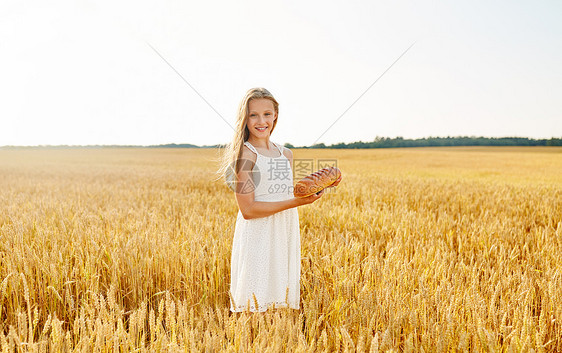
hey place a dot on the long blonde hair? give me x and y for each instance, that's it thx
(230, 155)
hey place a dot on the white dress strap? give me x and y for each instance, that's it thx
(279, 147)
(251, 147)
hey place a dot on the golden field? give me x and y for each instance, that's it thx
(422, 249)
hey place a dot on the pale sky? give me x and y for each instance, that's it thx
(81, 72)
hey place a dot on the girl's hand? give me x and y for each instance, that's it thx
(310, 199)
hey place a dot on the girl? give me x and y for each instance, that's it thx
(265, 262)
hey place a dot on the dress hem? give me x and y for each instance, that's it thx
(265, 307)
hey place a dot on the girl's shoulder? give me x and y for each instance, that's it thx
(286, 151)
(247, 153)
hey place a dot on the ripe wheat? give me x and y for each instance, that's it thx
(435, 249)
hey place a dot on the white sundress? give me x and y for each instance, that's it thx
(266, 251)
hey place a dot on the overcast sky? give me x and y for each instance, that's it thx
(83, 72)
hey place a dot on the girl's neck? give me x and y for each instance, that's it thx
(259, 142)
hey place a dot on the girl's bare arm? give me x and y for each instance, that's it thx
(257, 209)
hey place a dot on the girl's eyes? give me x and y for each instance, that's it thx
(255, 114)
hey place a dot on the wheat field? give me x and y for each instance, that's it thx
(422, 249)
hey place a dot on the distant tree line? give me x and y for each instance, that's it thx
(386, 142)
(378, 142)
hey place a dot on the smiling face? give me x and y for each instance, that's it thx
(261, 117)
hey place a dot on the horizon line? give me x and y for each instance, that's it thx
(190, 145)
